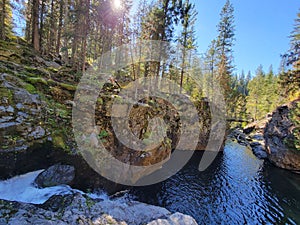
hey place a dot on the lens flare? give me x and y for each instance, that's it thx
(117, 4)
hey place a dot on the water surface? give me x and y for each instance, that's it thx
(237, 188)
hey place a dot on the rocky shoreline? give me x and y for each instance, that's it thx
(272, 138)
(44, 197)
(80, 209)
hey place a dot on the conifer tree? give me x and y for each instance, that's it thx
(225, 42)
(187, 37)
(290, 79)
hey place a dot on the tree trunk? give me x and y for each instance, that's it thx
(2, 26)
(77, 29)
(60, 24)
(65, 36)
(52, 29)
(85, 24)
(28, 22)
(42, 24)
(183, 58)
(35, 25)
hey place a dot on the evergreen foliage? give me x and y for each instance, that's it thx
(76, 33)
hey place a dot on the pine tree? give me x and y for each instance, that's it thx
(290, 79)
(263, 93)
(225, 42)
(187, 37)
(211, 58)
(159, 25)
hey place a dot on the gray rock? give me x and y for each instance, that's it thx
(10, 109)
(77, 209)
(259, 151)
(38, 133)
(278, 135)
(25, 98)
(255, 144)
(132, 212)
(22, 114)
(39, 59)
(8, 125)
(175, 219)
(258, 137)
(20, 120)
(5, 119)
(55, 175)
(52, 64)
(2, 109)
(19, 106)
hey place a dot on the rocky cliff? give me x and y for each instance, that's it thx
(281, 137)
(36, 96)
(36, 100)
(275, 138)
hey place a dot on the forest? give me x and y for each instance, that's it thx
(77, 32)
(77, 151)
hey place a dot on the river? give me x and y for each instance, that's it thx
(237, 188)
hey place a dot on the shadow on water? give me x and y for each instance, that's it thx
(237, 188)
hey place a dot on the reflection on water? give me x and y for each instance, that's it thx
(237, 188)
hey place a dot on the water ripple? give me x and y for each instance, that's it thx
(237, 188)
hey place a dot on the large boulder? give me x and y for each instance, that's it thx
(153, 122)
(279, 138)
(55, 175)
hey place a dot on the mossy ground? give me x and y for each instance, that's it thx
(54, 86)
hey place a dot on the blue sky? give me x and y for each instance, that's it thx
(262, 29)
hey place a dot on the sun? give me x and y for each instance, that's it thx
(117, 4)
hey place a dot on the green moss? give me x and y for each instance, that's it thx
(6, 93)
(5, 70)
(65, 86)
(37, 80)
(26, 73)
(30, 88)
(52, 69)
(100, 101)
(31, 69)
(36, 71)
(68, 87)
(59, 142)
(103, 134)
(62, 113)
